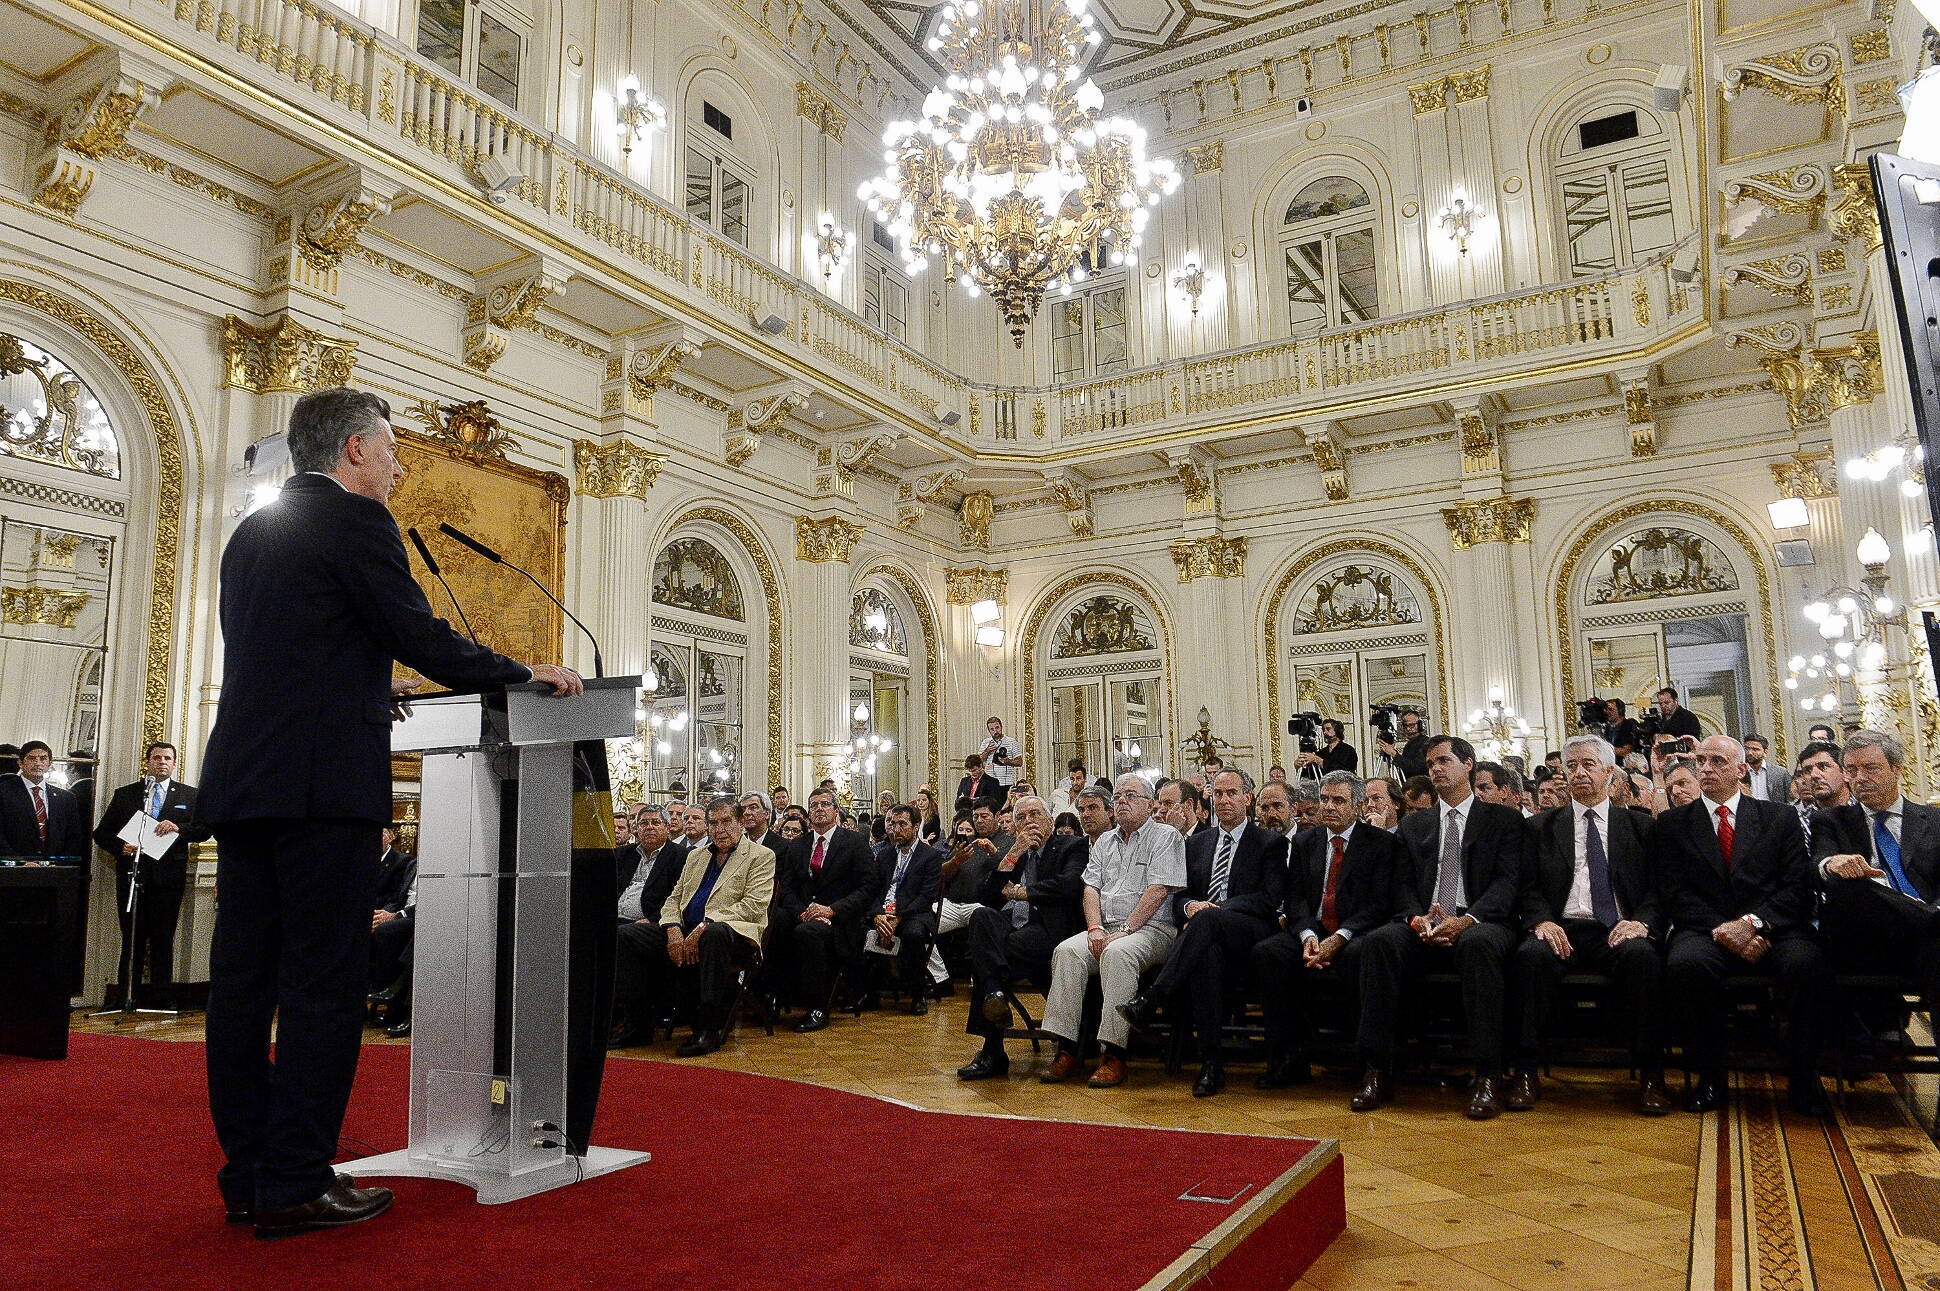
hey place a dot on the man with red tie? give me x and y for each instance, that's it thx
(832, 878)
(1741, 893)
(38, 817)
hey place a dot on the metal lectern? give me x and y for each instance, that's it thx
(490, 956)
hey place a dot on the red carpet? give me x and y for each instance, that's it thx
(109, 1166)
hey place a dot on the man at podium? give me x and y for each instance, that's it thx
(317, 603)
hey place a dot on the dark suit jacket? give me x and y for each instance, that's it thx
(663, 872)
(988, 790)
(626, 860)
(317, 602)
(1057, 891)
(1839, 831)
(1367, 890)
(395, 875)
(1771, 876)
(846, 885)
(1551, 867)
(1257, 884)
(171, 869)
(67, 831)
(922, 887)
(1492, 850)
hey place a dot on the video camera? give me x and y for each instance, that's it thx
(1384, 718)
(1589, 713)
(1305, 726)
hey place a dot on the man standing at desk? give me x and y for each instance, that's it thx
(37, 816)
(148, 932)
(317, 603)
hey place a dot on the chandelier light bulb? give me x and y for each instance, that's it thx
(1791, 683)
(1818, 661)
(1815, 611)
(1796, 663)
(1833, 626)
(1843, 649)
(1873, 549)
(1883, 606)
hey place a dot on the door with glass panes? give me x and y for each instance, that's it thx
(1347, 684)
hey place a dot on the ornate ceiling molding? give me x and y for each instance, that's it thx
(754, 419)
(1808, 74)
(1503, 519)
(92, 125)
(911, 496)
(1807, 474)
(970, 585)
(1209, 557)
(495, 313)
(829, 539)
(1814, 382)
(1793, 190)
(973, 519)
(1328, 445)
(616, 470)
(1074, 498)
(283, 358)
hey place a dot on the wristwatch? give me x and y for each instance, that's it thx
(1757, 924)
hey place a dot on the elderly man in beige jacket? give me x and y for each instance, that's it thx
(713, 922)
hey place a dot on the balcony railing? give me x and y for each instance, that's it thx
(369, 84)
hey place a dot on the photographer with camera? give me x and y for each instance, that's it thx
(1673, 719)
(1334, 753)
(1410, 759)
(1621, 729)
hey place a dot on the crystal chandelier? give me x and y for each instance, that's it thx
(1012, 176)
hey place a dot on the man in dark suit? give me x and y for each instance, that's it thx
(393, 928)
(317, 604)
(640, 935)
(978, 785)
(1032, 900)
(1673, 718)
(1739, 888)
(1879, 859)
(910, 886)
(1589, 905)
(1340, 889)
(37, 816)
(1458, 911)
(834, 880)
(1236, 876)
(148, 932)
(758, 812)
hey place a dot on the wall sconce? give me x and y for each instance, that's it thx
(637, 114)
(831, 245)
(1192, 282)
(1457, 219)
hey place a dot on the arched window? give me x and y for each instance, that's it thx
(1359, 637)
(1614, 180)
(1107, 683)
(47, 415)
(699, 657)
(879, 684)
(1327, 246)
(1694, 636)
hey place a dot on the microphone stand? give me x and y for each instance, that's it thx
(131, 952)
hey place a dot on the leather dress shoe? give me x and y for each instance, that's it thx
(815, 1021)
(1705, 1096)
(1212, 1079)
(989, 1064)
(1062, 1068)
(392, 992)
(919, 1006)
(1484, 1099)
(338, 1207)
(247, 1214)
(1282, 1072)
(1109, 1073)
(1653, 1099)
(1138, 1011)
(1377, 1087)
(704, 1042)
(996, 1010)
(1525, 1091)
(1807, 1097)
(399, 1030)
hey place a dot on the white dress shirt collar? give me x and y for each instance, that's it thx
(1732, 804)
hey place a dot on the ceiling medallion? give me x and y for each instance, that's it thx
(1013, 175)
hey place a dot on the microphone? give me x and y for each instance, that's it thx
(424, 554)
(458, 536)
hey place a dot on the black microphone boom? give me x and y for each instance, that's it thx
(458, 536)
(424, 554)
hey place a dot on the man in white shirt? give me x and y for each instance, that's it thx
(1129, 926)
(1769, 783)
(1002, 757)
(1065, 797)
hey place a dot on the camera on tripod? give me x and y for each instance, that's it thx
(1306, 726)
(1590, 715)
(1384, 718)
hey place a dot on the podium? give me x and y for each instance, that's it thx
(514, 784)
(38, 915)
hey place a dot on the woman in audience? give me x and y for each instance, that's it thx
(791, 826)
(1067, 825)
(929, 822)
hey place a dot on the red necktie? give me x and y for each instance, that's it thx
(40, 812)
(1726, 834)
(815, 861)
(1330, 892)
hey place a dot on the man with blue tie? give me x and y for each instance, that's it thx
(905, 910)
(1880, 862)
(148, 923)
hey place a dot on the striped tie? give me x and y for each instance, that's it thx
(1222, 869)
(40, 813)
